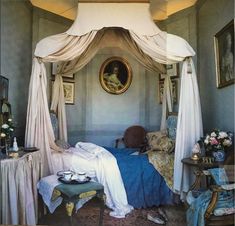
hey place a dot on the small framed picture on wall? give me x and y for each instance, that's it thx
(172, 70)
(161, 90)
(69, 91)
(4, 85)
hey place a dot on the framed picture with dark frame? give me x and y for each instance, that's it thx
(4, 86)
(224, 55)
(115, 75)
(161, 89)
(172, 70)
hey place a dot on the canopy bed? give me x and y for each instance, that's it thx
(92, 30)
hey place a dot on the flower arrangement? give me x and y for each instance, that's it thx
(7, 129)
(218, 140)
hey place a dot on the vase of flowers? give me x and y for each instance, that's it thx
(216, 144)
(7, 130)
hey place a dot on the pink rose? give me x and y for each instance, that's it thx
(214, 141)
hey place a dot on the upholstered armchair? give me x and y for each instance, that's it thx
(215, 215)
(215, 205)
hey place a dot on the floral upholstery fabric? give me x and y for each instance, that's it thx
(55, 125)
(171, 125)
(159, 141)
(161, 159)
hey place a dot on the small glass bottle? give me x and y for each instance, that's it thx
(15, 145)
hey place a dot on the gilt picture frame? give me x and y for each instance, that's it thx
(174, 91)
(115, 75)
(224, 55)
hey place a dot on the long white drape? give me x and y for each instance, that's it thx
(189, 126)
(39, 131)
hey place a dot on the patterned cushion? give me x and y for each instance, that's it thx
(171, 124)
(159, 141)
(63, 144)
(55, 125)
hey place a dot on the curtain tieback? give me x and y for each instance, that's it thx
(189, 65)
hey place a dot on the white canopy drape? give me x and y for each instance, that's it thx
(76, 47)
(189, 126)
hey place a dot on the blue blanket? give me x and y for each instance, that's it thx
(145, 187)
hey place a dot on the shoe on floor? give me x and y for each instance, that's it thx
(156, 219)
(163, 213)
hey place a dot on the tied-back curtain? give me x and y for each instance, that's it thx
(39, 131)
(58, 105)
(189, 126)
(167, 100)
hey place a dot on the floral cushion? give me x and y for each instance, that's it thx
(171, 124)
(164, 164)
(55, 125)
(159, 141)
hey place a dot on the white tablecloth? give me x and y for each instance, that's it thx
(19, 199)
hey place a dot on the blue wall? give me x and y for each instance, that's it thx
(15, 61)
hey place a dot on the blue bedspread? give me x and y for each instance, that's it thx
(145, 187)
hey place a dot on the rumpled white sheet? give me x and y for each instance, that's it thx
(101, 165)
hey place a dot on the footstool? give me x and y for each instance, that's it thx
(72, 193)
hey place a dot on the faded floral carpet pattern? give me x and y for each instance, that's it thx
(89, 216)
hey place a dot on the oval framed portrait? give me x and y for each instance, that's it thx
(115, 75)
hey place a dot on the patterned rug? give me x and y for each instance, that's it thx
(88, 215)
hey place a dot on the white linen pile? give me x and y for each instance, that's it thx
(101, 166)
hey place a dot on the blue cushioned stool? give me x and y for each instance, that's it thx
(72, 193)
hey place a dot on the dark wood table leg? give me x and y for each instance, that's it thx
(102, 198)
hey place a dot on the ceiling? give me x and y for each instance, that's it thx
(160, 9)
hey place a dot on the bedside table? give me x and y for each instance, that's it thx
(200, 166)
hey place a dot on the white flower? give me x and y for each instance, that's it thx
(227, 143)
(223, 134)
(11, 129)
(3, 135)
(206, 141)
(213, 134)
(5, 126)
(9, 120)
